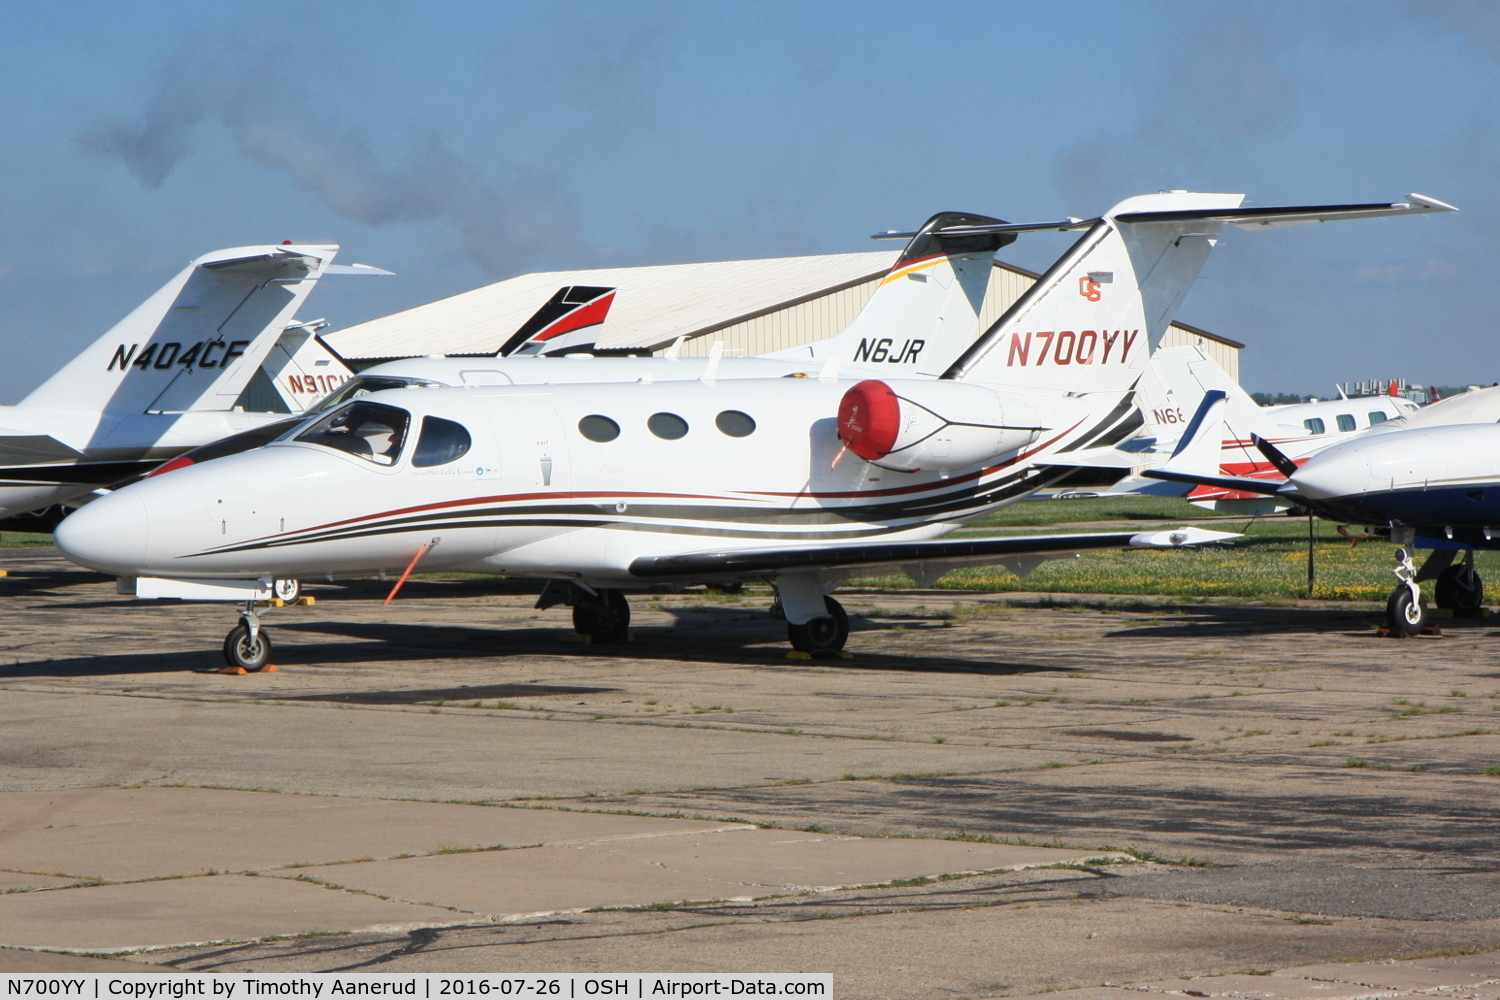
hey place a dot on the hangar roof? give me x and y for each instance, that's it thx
(654, 306)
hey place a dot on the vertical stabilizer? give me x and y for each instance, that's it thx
(925, 311)
(303, 368)
(1091, 322)
(197, 342)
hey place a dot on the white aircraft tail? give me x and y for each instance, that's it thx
(303, 368)
(925, 311)
(197, 343)
(1089, 324)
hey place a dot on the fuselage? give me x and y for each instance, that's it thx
(528, 480)
(1433, 479)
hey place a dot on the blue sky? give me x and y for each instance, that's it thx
(460, 143)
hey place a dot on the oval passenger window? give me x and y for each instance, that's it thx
(735, 424)
(597, 428)
(442, 441)
(667, 425)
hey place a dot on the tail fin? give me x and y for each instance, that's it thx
(1089, 323)
(303, 368)
(563, 324)
(925, 311)
(197, 342)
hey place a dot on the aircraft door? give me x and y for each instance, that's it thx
(532, 448)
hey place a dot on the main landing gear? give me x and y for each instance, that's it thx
(602, 614)
(1459, 589)
(822, 635)
(815, 623)
(287, 590)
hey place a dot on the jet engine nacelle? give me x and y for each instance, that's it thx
(932, 426)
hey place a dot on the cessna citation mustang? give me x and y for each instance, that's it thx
(1429, 480)
(609, 487)
(166, 378)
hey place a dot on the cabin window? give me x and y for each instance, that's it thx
(1377, 417)
(441, 441)
(667, 425)
(1346, 422)
(372, 431)
(735, 424)
(1314, 425)
(598, 428)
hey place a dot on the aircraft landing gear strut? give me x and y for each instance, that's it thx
(602, 614)
(1461, 589)
(247, 647)
(815, 623)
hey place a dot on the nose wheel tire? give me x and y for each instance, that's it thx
(287, 590)
(1403, 615)
(604, 618)
(1460, 588)
(239, 651)
(824, 635)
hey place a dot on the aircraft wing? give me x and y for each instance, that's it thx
(1270, 487)
(1027, 549)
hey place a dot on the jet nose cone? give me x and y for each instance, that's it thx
(109, 534)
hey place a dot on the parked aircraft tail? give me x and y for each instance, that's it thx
(925, 311)
(197, 343)
(1091, 321)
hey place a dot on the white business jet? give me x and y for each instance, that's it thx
(608, 487)
(168, 377)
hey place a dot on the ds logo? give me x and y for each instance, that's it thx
(1089, 289)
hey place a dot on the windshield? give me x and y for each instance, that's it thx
(361, 385)
(372, 431)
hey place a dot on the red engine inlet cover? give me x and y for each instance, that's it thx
(870, 419)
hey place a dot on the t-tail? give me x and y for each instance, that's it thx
(1090, 323)
(925, 311)
(197, 343)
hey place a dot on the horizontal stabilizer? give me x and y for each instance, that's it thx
(269, 261)
(1301, 215)
(357, 269)
(1103, 458)
(972, 551)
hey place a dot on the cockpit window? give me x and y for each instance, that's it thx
(361, 385)
(373, 431)
(441, 441)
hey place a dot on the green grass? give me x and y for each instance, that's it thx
(23, 540)
(1269, 562)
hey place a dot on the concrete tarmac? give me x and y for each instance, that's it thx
(447, 785)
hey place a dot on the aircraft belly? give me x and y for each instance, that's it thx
(1469, 504)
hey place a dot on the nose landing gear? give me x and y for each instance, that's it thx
(247, 647)
(1458, 589)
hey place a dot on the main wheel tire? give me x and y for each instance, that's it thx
(824, 635)
(605, 618)
(1403, 615)
(1460, 588)
(287, 590)
(239, 651)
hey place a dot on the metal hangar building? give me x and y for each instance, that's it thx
(753, 306)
